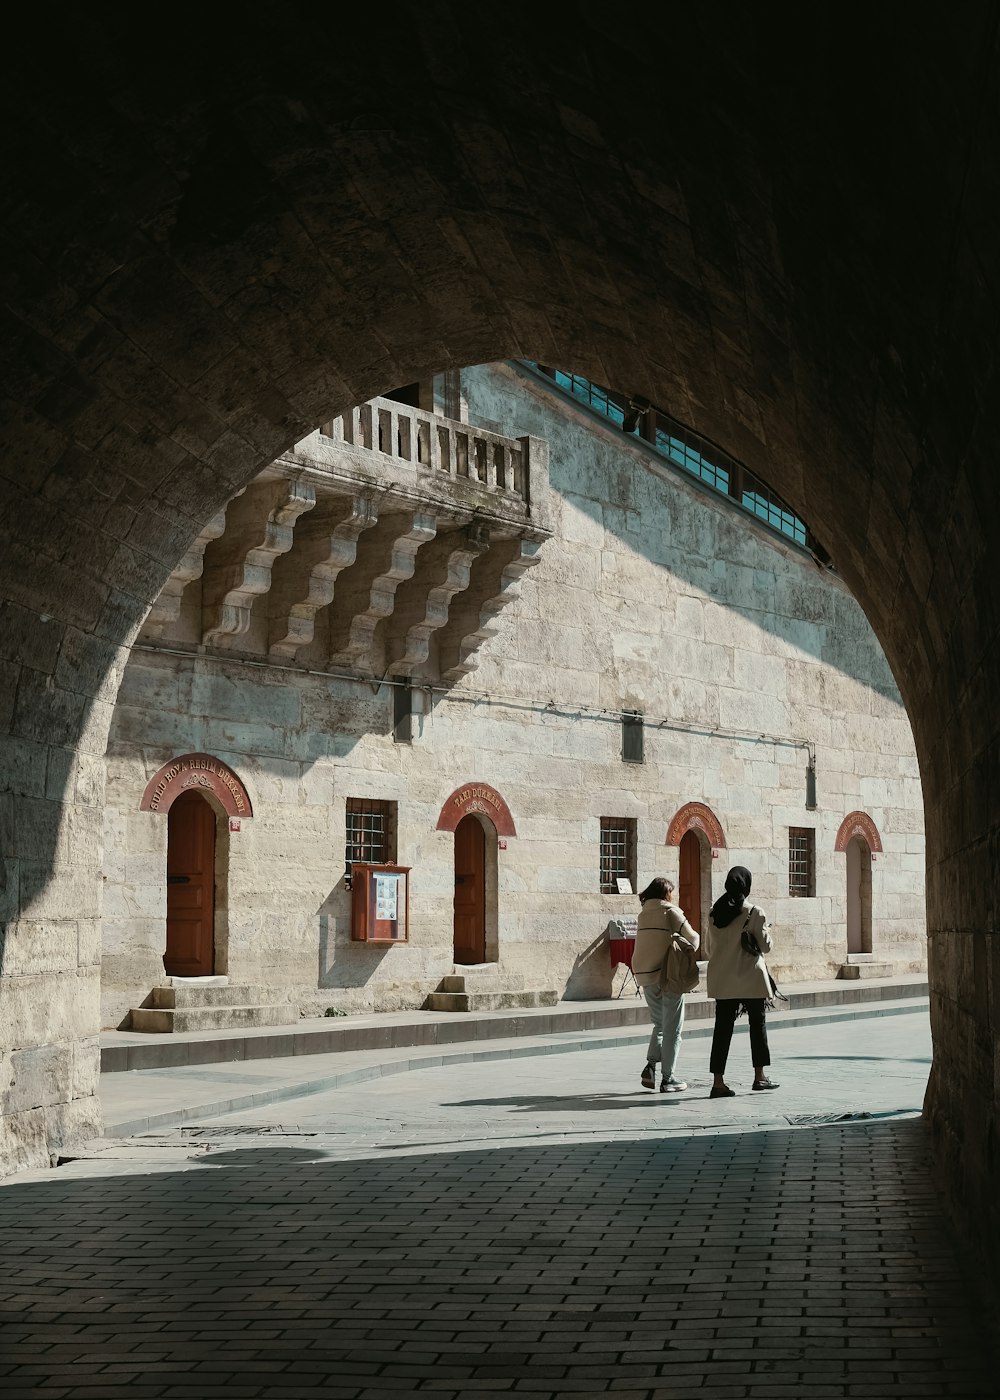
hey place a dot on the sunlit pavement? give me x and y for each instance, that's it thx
(539, 1226)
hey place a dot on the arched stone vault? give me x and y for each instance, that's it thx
(217, 239)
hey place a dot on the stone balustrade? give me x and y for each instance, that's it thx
(425, 440)
(390, 539)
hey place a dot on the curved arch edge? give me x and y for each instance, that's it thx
(194, 771)
(695, 816)
(858, 824)
(480, 798)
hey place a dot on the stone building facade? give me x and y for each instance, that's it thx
(518, 653)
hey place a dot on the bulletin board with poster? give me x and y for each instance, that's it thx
(380, 903)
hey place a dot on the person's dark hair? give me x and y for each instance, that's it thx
(728, 905)
(658, 888)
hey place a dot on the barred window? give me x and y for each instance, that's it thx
(801, 861)
(371, 832)
(617, 852)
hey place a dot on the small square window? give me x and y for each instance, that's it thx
(802, 861)
(371, 832)
(617, 852)
(402, 710)
(632, 737)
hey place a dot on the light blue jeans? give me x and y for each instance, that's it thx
(667, 1014)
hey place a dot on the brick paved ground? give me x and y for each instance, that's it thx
(735, 1262)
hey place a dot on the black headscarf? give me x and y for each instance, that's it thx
(727, 906)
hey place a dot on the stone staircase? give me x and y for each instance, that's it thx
(485, 988)
(209, 1004)
(863, 965)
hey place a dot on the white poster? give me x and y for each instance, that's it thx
(385, 897)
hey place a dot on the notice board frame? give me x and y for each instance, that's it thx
(370, 901)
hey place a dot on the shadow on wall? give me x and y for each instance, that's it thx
(361, 1253)
(799, 602)
(592, 973)
(343, 963)
(44, 776)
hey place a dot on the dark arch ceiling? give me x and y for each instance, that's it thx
(777, 223)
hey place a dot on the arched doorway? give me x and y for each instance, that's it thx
(481, 822)
(858, 837)
(190, 948)
(859, 896)
(198, 794)
(689, 893)
(697, 831)
(470, 891)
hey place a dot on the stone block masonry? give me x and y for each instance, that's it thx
(665, 603)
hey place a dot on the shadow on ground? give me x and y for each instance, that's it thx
(778, 1263)
(565, 1103)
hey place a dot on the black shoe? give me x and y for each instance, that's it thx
(724, 1093)
(765, 1084)
(648, 1080)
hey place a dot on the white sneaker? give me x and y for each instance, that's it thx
(672, 1086)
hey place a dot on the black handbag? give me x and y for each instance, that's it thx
(750, 945)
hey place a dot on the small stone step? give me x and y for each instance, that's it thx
(211, 992)
(482, 978)
(855, 971)
(489, 1001)
(166, 1020)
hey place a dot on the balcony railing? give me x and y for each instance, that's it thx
(456, 450)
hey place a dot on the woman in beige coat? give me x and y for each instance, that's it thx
(659, 921)
(738, 979)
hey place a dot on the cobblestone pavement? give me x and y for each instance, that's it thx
(537, 1227)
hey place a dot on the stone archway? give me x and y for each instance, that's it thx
(481, 798)
(205, 263)
(201, 772)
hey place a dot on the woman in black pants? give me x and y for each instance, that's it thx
(738, 979)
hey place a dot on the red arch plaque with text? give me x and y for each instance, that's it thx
(196, 772)
(695, 816)
(858, 824)
(477, 797)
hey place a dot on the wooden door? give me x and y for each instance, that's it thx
(859, 896)
(190, 888)
(689, 895)
(470, 892)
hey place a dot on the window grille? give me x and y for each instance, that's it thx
(801, 861)
(371, 832)
(617, 852)
(632, 737)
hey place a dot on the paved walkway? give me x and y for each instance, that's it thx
(138, 1101)
(536, 1227)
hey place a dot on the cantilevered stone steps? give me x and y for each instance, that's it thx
(192, 1005)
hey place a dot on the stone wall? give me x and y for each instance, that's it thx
(654, 595)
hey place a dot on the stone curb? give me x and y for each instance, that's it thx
(134, 1127)
(176, 1052)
